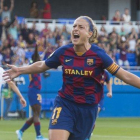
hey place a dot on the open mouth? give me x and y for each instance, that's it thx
(76, 36)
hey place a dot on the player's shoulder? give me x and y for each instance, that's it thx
(97, 49)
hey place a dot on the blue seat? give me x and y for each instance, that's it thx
(20, 20)
(131, 57)
(117, 56)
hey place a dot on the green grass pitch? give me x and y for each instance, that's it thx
(106, 129)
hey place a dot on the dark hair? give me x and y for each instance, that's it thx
(35, 56)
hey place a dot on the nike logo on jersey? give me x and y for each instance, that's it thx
(67, 60)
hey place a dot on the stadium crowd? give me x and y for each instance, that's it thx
(17, 41)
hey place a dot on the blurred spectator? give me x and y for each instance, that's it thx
(7, 56)
(59, 44)
(126, 17)
(40, 43)
(117, 16)
(46, 12)
(133, 33)
(31, 41)
(64, 42)
(45, 31)
(33, 29)
(103, 18)
(51, 39)
(21, 42)
(4, 25)
(103, 32)
(19, 56)
(34, 12)
(5, 11)
(122, 32)
(113, 31)
(5, 44)
(13, 30)
(57, 34)
(138, 52)
(131, 44)
(65, 33)
(26, 62)
(49, 50)
(113, 39)
(24, 31)
(123, 53)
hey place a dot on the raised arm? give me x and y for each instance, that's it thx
(37, 67)
(1, 6)
(12, 5)
(16, 90)
(128, 77)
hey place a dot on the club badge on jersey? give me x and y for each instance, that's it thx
(90, 62)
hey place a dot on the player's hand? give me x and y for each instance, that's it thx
(109, 94)
(23, 102)
(11, 73)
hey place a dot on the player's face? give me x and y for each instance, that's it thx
(80, 32)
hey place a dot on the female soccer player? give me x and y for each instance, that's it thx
(35, 102)
(83, 64)
(105, 79)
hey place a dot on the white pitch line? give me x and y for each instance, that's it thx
(111, 136)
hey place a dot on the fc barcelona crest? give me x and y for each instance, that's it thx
(90, 62)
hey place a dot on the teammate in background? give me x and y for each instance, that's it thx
(83, 63)
(35, 102)
(13, 87)
(105, 79)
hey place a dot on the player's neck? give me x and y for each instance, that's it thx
(82, 48)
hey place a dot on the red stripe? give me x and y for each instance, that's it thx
(37, 123)
(29, 123)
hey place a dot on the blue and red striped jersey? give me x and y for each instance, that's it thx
(82, 74)
(35, 81)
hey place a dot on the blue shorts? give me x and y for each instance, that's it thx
(76, 118)
(101, 104)
(34, 96)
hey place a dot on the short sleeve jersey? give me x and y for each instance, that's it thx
(82, 74)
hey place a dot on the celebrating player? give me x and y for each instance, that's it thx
(83, 64)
